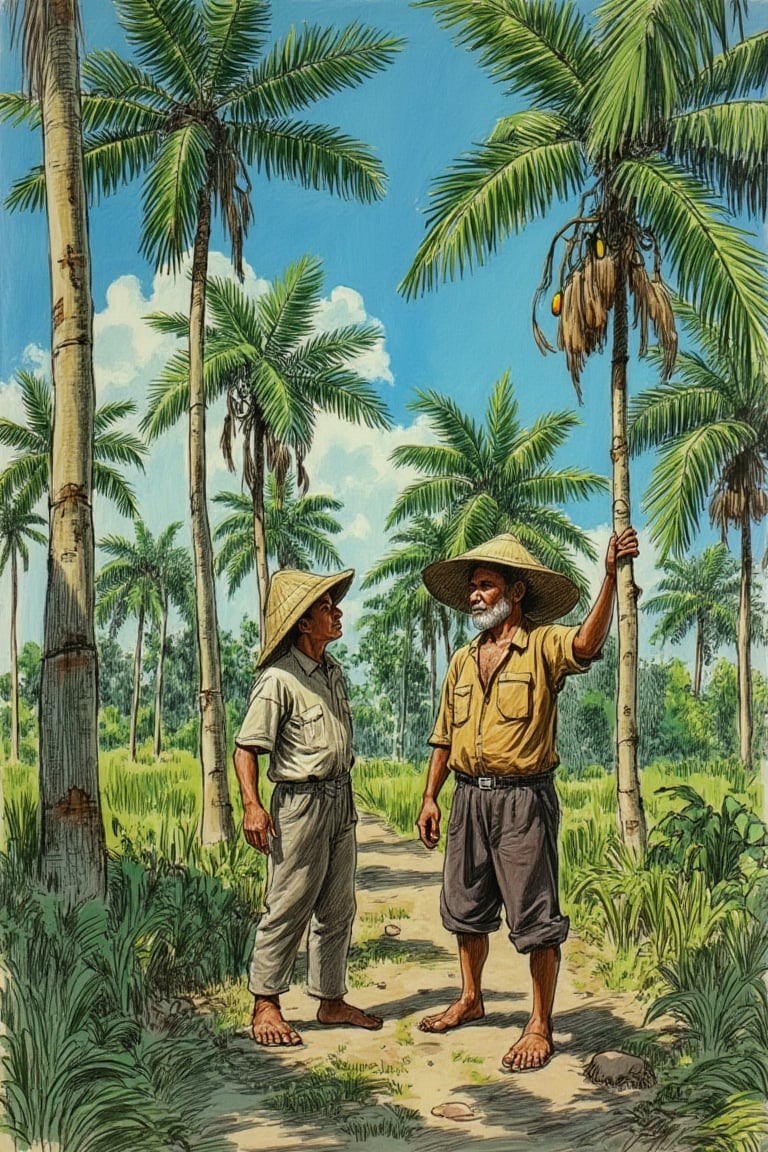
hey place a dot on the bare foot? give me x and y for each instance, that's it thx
(532, 1051)
(269, 1026)
(339, 1012)
(454, 1016)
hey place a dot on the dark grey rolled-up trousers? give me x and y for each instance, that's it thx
(311, 881)
(501, 848)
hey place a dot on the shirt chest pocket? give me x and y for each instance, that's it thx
(514, 696)
(308, 727)
(462, 701)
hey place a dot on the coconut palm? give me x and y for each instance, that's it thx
(701, 592)
(710, 426)
(29, 471)
(497, 477)
(206, 101)
(277, 372)
(143, 579)
(72, 843)
(175, 581)
(18, 524)
(640, 113)
(297, 531)
(423, 541)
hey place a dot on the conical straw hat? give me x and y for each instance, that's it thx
(549, 596)
(291, 595)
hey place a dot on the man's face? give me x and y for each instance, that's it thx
(490, 599)
(322, 623)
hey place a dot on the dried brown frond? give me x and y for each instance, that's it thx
(571, 331)
(228, 433)
(595, 311)
(605, 279)
(663, 320)
(639, 286)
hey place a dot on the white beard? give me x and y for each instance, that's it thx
(492, 617)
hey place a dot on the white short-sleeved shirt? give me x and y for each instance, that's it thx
(299, 712)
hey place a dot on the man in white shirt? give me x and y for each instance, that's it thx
(299, 715)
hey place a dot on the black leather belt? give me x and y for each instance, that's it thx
(489, 783)
(312, 783)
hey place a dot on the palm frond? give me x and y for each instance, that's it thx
(170, 323)
(454, 429)
(168, 397)
(492, 192)
(716, 268)
(536, 446)
(425, 498)
(650, 51)
(107, 73)
(112, 484)
(313, 155)
(287, 421)
(475, 520)
(288, 309)
(16, 108)
(235, 32)
(540, 543)
(120, 448)
(310, 65)
(111, 159)
(558, 528)
(236, 316)
(726, 145)
(684, 476)
(171, 191)
(541, 50)
(560, 487)
(349, 396)
(432, 459)
(658, 415)
(168, 38)
(328, 350)
(743, 68)
(109, 413)
(27, 475)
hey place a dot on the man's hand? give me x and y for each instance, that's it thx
(258, 827)
(428, 824)
(621, 547)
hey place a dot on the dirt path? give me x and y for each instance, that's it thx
(403, 977)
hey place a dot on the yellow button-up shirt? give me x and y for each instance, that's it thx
(508, 727)
(299, 712)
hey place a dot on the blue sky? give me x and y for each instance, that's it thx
(419, 115)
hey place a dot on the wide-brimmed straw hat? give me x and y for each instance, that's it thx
(549, 596)
(291, 595)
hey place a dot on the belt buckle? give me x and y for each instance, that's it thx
(485, 783)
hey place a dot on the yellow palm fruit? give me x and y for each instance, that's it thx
(557, 303)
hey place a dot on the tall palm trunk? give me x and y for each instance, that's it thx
(404, 697)
(157, 740)
(14, 661)
(698, 664)
(72, 858)
(136, 684)
(216, 821)
(629, 801)
(743, 646)
(260, 526)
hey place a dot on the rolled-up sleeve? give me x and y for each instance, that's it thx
(559, 654)
(259, 728)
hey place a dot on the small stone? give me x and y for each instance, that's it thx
(454, 1111)
(391, 930)
(381, 984)
(619, 1070)
(430, 1063)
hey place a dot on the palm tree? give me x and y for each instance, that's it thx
(127, 586)
(710, 426)
(143, 580)
(641, 116)
(277, 372)
(29, 471)
(174, 577)
(702, 593)
(424, 540)
(72, 856)
(205, 102)
(497, 477)
(297, 531)
(17, 525)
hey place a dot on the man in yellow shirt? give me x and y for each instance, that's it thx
(496, 732)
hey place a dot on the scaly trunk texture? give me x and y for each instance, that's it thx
(14, 662)
(698, 665)
(260, 527)
(216, 822)
(446, 634)
(72, 857)
(158, 739)
(136, 685)
(743, 646)
(629, 801)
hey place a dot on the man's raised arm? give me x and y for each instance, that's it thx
(592, 634)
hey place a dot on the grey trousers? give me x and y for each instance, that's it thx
(311, 881)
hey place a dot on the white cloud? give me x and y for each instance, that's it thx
(37, 358)
(358, 529)
(346, 306)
